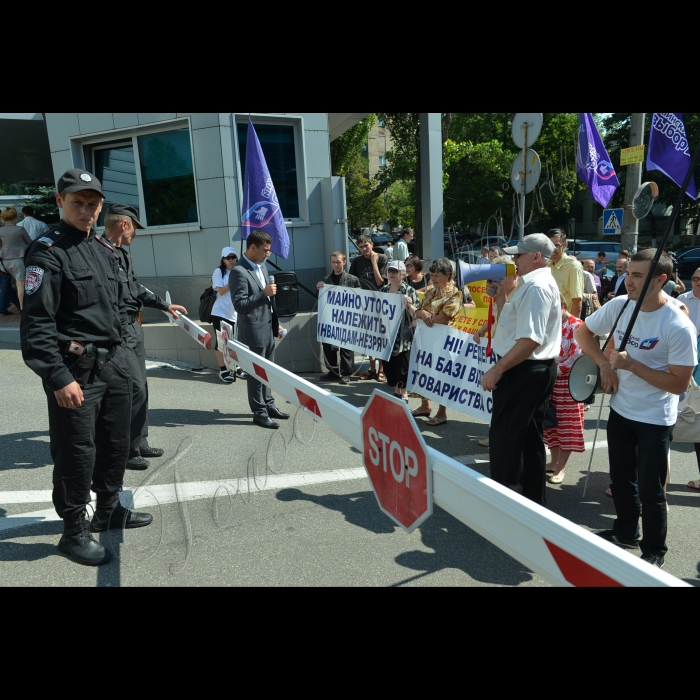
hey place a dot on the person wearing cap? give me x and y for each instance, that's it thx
(343, 371)
(121, 222)
(223, 310)
(567, 272)
(526, 345)
(71, 336)
(396, 367)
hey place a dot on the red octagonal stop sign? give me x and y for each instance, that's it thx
(396, 459)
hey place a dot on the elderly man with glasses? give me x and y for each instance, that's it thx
(526, 345)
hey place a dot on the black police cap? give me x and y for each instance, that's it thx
(124, 210)
(77, 180)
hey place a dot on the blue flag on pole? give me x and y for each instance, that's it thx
(668, 149)
(261, 208)
(593, 164)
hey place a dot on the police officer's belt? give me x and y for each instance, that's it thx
(100, 354)
(133, 318)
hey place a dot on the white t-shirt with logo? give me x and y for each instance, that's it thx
(223, 306)
(659, 338)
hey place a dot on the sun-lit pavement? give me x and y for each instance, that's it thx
(288, 508)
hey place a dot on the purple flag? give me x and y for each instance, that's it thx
(668, 149)
(593, 164)
(261, 209)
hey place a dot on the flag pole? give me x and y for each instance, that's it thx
(660, 249)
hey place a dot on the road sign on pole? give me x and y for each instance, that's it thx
(396, 459)
(612, 221)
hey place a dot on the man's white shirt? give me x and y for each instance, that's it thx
(33, 227)
(693, 304)
(533, 311)
(659, 338)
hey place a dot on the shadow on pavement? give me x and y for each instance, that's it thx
(22, 451)
(455, 545)
(176, 417)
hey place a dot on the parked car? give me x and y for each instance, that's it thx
(380, 238)
(468, 256)
(688, 262)
(590, 249)
(490, 242)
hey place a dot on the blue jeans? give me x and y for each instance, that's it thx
(8, 292)
(638, 454)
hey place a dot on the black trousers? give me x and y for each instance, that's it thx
(638, 455)
(347, 360)
(259, 394)
(136, 357)
(516, 433)
(90, 444)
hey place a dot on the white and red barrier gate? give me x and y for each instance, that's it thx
(552, 546)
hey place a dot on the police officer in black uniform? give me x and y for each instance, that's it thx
(71, 337)
(121, 222)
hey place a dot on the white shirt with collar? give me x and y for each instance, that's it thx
(34, 227)
(693, 304)
(620, 281)
(533, 311)
(258, 270)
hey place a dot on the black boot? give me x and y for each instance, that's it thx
(110, 516)
(79, 544)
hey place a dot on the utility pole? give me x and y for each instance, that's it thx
(630, 225)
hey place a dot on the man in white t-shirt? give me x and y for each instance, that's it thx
(527, 345)
(653, 370)
(34, 227)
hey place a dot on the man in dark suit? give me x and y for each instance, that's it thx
(258, 324)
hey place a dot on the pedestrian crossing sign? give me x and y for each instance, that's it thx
(612, 221)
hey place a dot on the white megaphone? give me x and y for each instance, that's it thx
(584, 379)
(467, 273)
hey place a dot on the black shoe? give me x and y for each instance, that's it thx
(345, 380)
(80, 545)
(274, 412)
(151, 452)
(137, 463)
(329, 377)
(240, 373)
(265, 422)
(623, 542)
(108, 517)
(226, 377)
(654, 559)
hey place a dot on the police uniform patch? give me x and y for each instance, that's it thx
(33, 279)
(46, 241)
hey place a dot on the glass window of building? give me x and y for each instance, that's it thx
(162, 188)
(277, 143)
(382, 161)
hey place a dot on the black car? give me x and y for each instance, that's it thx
(688, 262)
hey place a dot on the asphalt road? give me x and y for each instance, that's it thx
(284, 508)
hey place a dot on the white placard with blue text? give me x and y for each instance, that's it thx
(359, 319)
(612, 221)
(447, 366)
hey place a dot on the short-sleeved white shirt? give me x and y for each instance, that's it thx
(659, 338)
(533, 311)
(34, 227)
(223, 306)
(693, 304)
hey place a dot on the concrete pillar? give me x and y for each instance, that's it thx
(431, 184)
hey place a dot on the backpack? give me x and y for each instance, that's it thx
(206, 304)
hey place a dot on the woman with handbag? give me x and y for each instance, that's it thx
(396, 367)
(567, 436)
(223, 307)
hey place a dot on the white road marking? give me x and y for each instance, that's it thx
(194, 490)
(188, 491)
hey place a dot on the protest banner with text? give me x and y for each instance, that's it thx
(446, 366)
(361, 320)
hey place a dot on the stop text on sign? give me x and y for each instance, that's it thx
(402, 460)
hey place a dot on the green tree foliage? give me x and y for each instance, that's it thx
(349, 145)
(365, 205)
(45, 208)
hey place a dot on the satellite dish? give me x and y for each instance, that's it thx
(533, 168)
(644, 199)
(534, 127)
(584, 379)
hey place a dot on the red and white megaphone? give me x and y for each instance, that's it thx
(467, 273)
